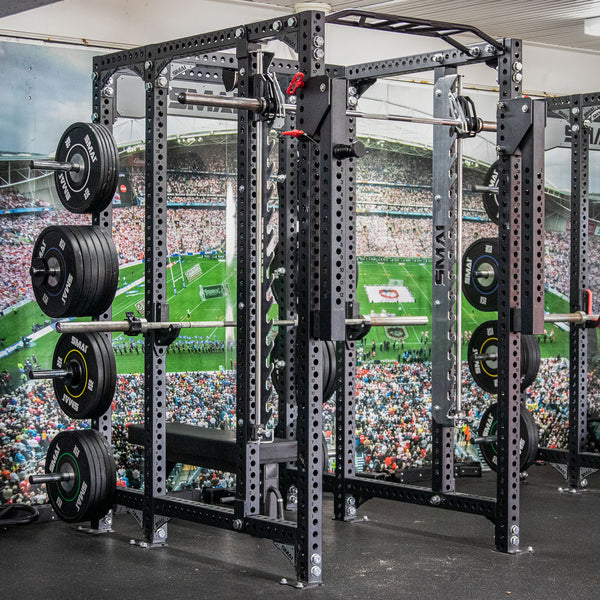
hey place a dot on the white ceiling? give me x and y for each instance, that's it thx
(557, 22)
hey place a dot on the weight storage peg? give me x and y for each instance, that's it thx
(74, 271)
(84, 374)
(86, 168)
(80, 476)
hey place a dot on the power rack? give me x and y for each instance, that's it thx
(577, 462)
(317, 229)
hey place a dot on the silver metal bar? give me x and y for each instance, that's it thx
(51, 478)
(49, 373)
(254, 104)
(260, 105)
(484, 188)
(53, 165)
(144, 326)
(576, 317)
(486, 356)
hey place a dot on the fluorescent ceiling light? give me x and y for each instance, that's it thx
(382, 4)
(592, 26)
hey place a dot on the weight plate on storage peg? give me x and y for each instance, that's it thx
(329, 369)
(480, 274)
(108, 273)
(89, 391)
(86, 489)
(57, 272)
(490, 197)
(483, 357)
(488, 427)
(84, 189)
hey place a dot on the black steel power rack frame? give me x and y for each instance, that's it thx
(575, 462)
(317, 230)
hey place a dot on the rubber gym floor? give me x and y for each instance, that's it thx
(402, 551)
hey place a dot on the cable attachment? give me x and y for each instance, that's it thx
(463, 109)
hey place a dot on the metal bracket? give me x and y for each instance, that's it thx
(287, 550)
(104, 526)
(160, 530)
(518, 119)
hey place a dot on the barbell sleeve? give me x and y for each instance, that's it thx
(49, 373)
(51, 478)
(54, 165)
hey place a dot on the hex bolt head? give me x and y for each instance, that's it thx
(161, 533)
(525, 108)
(162, 81)
(489, 48)
(108, 92)
(242, 189)
(238, 524)
(514, 529)
(514, 540)
(438, 93)
(315, 571)
(315, 559)
(281, 178)
(318, 41)
(148, 65)
(292, 21)
(583, 482)
(280, 364)
(277, 25)
(575, 128)
(352, 101)
(239, 32)
(435, 500)
(575, 110)
(351, 511)
(323, 88)
(438, 58)
(587, 124)
(95, 116)
(241, 306)
(240, 422)
(94, 75)
(318, 53)
(518, 66)
(475, 51)
(242, 72)
(517, 77)
(148, 86)
(351, 501)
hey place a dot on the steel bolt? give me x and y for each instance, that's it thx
(292, 21)
(500, 106)
(575, 128)
(514, 540)
(240, 422)
(323, 87)
(281, 178)
(239, 32)
(352, 90)
(241, 306)
(514, 529)
(518, 66)
(436, 407)
(318, 53)
(280, 364)
(489, 48)
(435, 500)
(161, 533)
(351, 511)
(315, 559)
(162, 81)
(318, 41)
(242, 189)
(587, 124)
(148, 87)
(438, 58)
(351, 501)
(277, 25)
(94, 76)
(352, 101)
(316, 571)
(438, 93)
(517, 77)
(292, 99)
(95, 116)
(238, 524)
(437, 302)
(475, 51)
(108, 92)
(148, 65)
(242, 72)
(575, 110)
(583, 482)
(525, 108)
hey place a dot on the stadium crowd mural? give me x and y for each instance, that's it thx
(393, 398)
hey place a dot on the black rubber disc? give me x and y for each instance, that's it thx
(490, 199)
(58, 290)
(89, 392)
(488, 426)
(278, 286)
(108, 271)
(329, 370)
(72, 500)
(480, 274)
(81, 191)
(530, 360)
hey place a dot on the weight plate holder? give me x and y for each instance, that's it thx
(490, 197)
(329, 368)
(483, 357)
(87, 188)
(74, 271)
(57, 272)
(488, 428)
(480, 274)
(89, 391)
(80, 476)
